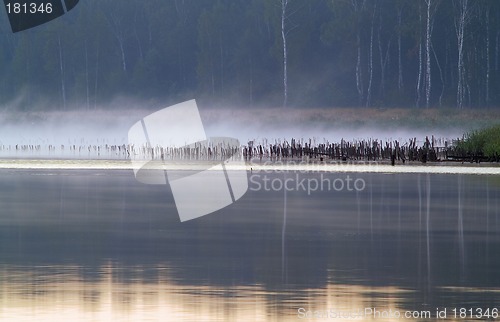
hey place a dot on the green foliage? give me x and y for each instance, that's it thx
(482, 142)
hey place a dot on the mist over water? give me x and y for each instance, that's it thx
(56, 128)
(260, 128)
(101, 127)
(114, 249)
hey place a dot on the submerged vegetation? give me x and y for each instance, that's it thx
(481, 143)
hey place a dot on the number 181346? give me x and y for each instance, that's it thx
(478, 313)
(26, 8)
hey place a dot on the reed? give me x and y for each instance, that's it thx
(481, 143)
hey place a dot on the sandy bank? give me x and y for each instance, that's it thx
(362, 167)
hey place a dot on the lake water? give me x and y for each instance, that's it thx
(96, 245)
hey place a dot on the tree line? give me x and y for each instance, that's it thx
(349, 53)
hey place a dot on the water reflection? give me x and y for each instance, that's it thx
(115, 293)
(460, 229)
(98, 246)
(58, 293)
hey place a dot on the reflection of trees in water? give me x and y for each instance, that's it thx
(106, 220)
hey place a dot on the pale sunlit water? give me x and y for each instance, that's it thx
(96, 245)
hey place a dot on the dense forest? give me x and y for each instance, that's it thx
(323, 53)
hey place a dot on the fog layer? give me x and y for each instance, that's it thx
(99, 127)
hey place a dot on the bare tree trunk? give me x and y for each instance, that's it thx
(400, 64)
(87, 74)
(150, 35)
(96, 77)
(370, 81)
(138, 39)
(212, 76)
(284, 4)
(122, 50)
(359, 76)
(488, 56)
(496, 50)
(469, 96)
(440, 75)
(213, 84)
(460, 23)
(221, 64)
(180, 64)
(419, 78)
(448, 65)
(250, 63)
(383, 58)
(428, 54)
(380, 55)
(358, 7)
(116, 27)
(61, 65)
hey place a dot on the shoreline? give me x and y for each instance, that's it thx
(256, 167)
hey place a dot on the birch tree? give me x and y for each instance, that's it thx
(284, 34)
(346, 53)
(497, 39)
(428, 54)
(400, 63)
(431, 7)
(487, 18)
(384, 57)
(359, 6)
(117, 28)
(419, 76)
(370, 65)
(61, 66)
(461, 20)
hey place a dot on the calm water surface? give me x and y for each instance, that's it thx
(98, 246)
